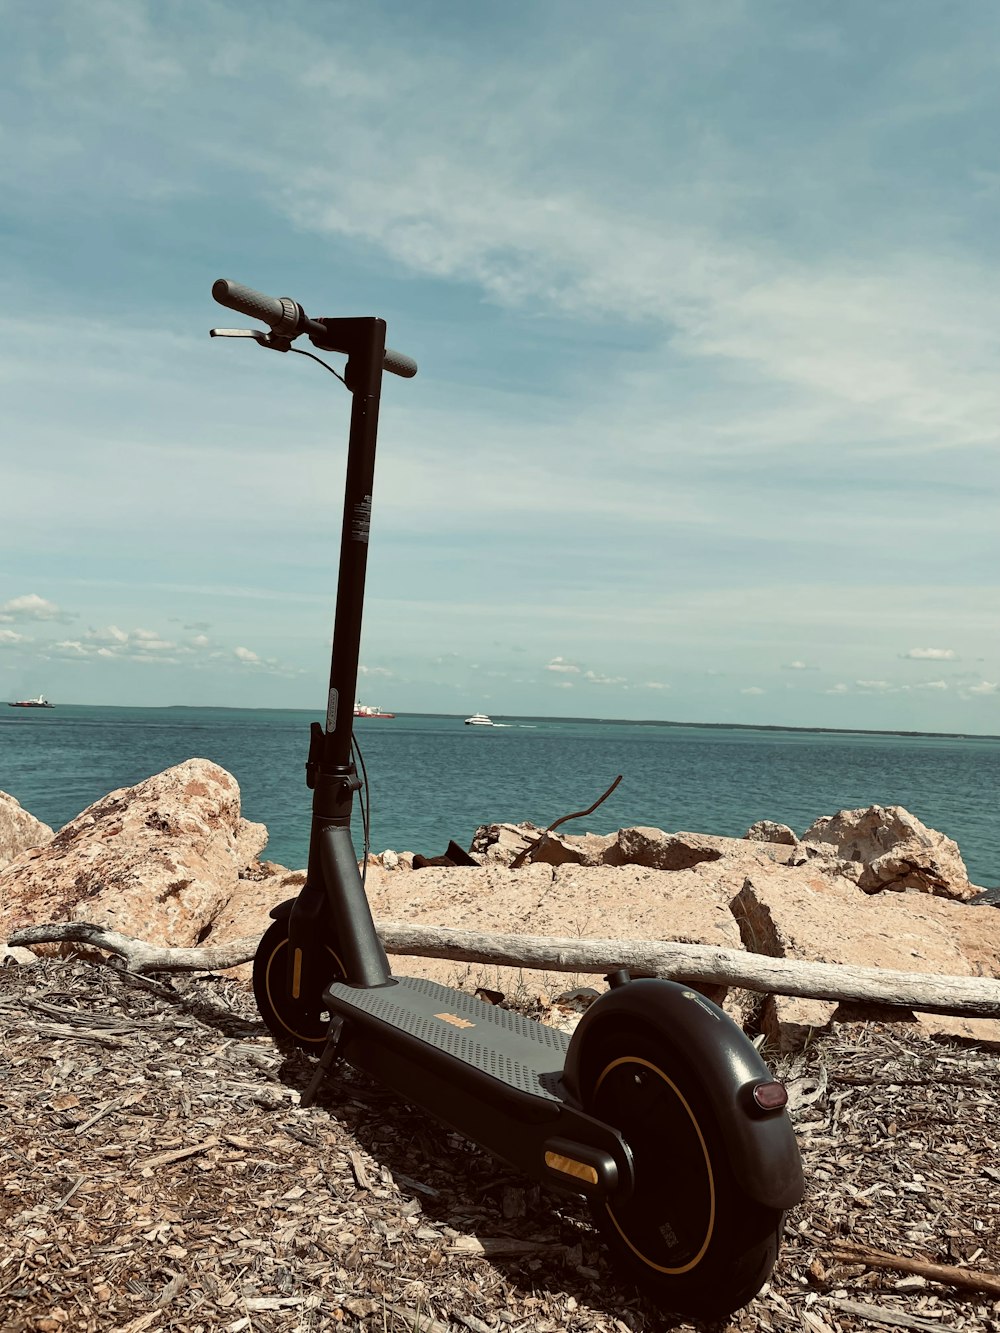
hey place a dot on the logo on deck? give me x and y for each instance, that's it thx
(455, 1021)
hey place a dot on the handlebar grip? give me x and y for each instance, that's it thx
(400, 364)
(279, 312)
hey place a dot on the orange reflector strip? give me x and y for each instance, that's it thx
(297, 974)
(569, 1166)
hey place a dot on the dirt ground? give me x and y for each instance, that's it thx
(159, 1174)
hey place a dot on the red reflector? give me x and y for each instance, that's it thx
(770, 1096)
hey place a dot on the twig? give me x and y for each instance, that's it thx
(178, 1155)
(522, 855)
(877, 1315)
(948, 1274)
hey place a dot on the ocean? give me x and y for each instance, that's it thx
(432, 778)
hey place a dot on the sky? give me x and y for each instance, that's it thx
(704, 298)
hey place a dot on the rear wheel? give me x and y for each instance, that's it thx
(293, 1019)
(689, 1235)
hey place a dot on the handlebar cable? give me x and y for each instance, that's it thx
(319, 360)
(365, 801)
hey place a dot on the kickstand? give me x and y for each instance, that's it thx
(325, 1061)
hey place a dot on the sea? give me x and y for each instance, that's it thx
(431, 778)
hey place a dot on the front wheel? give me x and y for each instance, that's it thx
(688, 1235)
(294, 1014)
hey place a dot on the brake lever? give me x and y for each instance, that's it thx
(275, 341)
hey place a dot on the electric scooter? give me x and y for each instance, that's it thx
(658, 1109)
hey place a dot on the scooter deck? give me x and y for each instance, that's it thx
(522, 1054)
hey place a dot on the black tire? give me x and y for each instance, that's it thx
(689, 1236)
(292, 1021)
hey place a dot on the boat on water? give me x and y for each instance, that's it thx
(40, 702)
(366, 710)
(479, 720)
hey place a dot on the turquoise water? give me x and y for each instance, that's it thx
(433, 778)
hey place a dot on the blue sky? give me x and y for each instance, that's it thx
(705, 301)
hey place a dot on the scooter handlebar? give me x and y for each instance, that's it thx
(400, 364)
(283, 315)
(271, 310)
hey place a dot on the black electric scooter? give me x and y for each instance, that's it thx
(658, 1109)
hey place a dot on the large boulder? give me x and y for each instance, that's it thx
(585, 902)
(896, 851)
(19, 830)
(804, 912)
(158, 861)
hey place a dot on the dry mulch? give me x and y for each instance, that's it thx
(159, 1175)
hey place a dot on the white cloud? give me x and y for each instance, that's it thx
(70, 648)
(375, 671)
(246, 655)
(874, 686)
(839, 688)
(752, 689)
(560, 664)
(798, 666)
(8, 636)
(596, 678)
(931, 685)
(984, 687)
(931, 654)
(31, 607)
(655, 685)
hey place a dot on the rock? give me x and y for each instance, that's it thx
(607, 902)
(498, 844)
(807, 913)
(19, 831)
(664, 851)
(157, 861)
(766, 830)
(897, 851)
(558, 849)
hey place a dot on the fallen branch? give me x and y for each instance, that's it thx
(975, 997)
(525, 852)
(138, 955)
(948, 1274)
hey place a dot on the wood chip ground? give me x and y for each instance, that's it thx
(159, 1174)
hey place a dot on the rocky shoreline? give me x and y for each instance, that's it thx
(172, 861)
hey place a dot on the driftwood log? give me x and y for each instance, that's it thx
(975, 997)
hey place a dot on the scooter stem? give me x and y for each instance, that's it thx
(332, 861)
(364, 339)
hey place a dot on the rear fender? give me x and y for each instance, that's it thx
(760, 1144)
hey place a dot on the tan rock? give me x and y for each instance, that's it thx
(766, 830)
(898, 851)
(19, 830)
(157, 861)
(558, 849)
(498, 844)
(804, 912)
(587, 901)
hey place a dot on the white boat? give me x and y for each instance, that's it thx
(479, 720)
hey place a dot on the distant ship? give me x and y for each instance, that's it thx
(40, 702)
(479, 720)
(366, 710)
